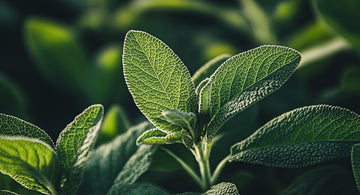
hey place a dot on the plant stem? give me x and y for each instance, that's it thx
(185, 167)
(321, 51)
(202, 154)
(218, 170)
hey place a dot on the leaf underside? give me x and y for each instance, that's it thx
(245, 79)
(157, 79)
(156, 136)
(301, 137)
(31, 162)
(75, 144)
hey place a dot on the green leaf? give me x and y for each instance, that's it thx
(223, 188)
(12, 126)
(157, 79)
(5, 192)
(182, 119)
(11, 99)
(56, 52)
(341, 18)
(207, 69)
(144, 189)
(75, 143)
(301, 137)
(115, 123)
(135, 166)
(109, 160)
(323, 180)
(31, 162)
(247, 78)
(355, 162)
(157, 136)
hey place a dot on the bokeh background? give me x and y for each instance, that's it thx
(58, 57)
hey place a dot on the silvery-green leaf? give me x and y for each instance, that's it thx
(301, 137)
(75, 144)
(109, 160)
(156, 136)
(355, 162)
(207, 69)
(12, 126)
(157, 79)
(247, 78)
(31, 162)
(224, 188)
(182, 119)
(138, 188)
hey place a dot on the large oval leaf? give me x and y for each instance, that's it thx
(31, 162)
(75, 144)
(301, 137)
(12, 126)
(247, 78)
(157, 79)
(355, 162)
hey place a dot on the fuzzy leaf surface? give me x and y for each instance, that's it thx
(75, 144)
(31, 162)
(207, 69)
(223, 188)
(156, 136)
(157, 79)
(301, 137)
(355, 162)
(12, 126)
(247, 78)
(145, 189)
(110, 159)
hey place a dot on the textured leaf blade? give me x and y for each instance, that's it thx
(156, 136)
(207, 69)
(146, 189)
(12, 126)
(247, 78)
(109, 159)
(301, 137)
(355, 162)
(223, 188)
(75, 144)
(135, 166)
(157, 79)
(31, 162)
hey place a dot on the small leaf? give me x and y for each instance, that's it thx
(182, 119)
(109, 160)
(12, 126)
(302, 137)
(5, 192)
(323, 180)
(56, 52)
(31, 162)
(223, 188)
(75, 143)
(156, 136)
(157, 79)
(135, 166)
(355, 162)
(144, 189)
(247, 78)
(207, 69)
(341, 18)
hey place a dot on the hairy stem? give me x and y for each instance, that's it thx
(202, 154)
(185, 167)
(218, 169)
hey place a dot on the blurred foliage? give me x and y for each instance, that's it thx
(58, 56)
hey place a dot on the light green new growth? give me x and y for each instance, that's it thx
(157, 79)
(75, 143)
(301, 137)
(31, 162)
